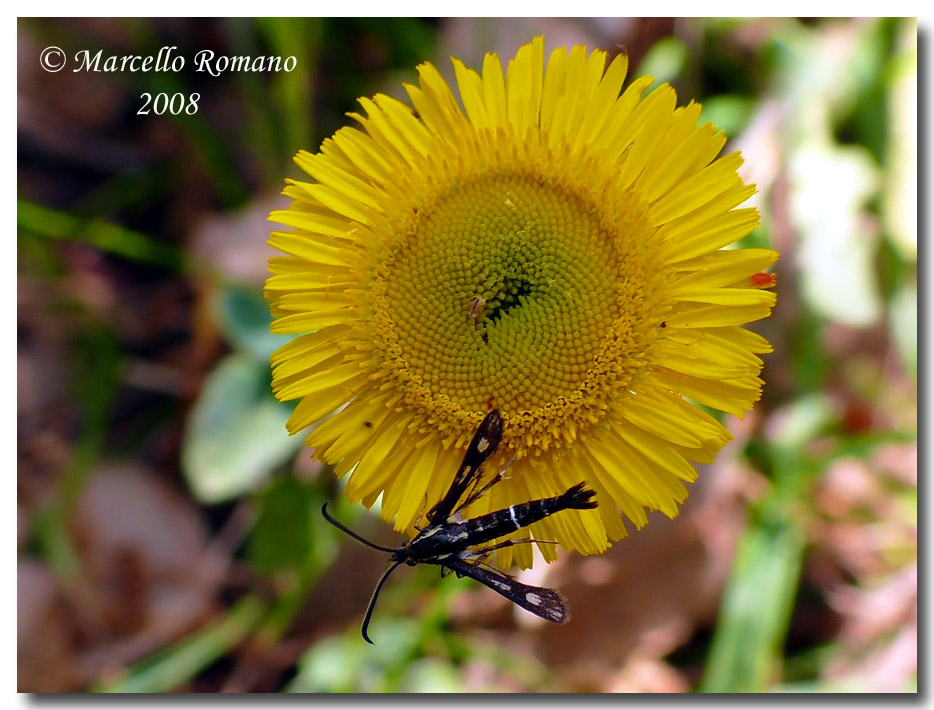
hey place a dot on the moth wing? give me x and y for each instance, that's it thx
(484, 443)
(545, 603)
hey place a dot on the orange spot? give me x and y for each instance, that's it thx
(857, 419)
(763, 280)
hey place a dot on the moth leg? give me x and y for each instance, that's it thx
(491, 568)
(475, 492)
(485, 551)
(475, 495)
(421, 514)
(480, 555)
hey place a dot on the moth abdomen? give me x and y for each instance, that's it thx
(578, 498)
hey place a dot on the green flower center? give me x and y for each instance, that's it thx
(512, 292)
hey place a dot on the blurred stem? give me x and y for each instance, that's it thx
(95, 377)
(286, 608)
(746, 653)
(54, 224)
(51, 524)
(431, 623)
(260, 127)
(747, 646)
(300, 38)
(807, 665)
(126, 192)
(180, 662)
(320, 556)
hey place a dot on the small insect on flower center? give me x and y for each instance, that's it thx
(475, 307)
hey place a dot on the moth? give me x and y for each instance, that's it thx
(462, 545)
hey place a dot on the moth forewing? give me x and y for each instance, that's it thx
(483, 445)
(541, 601)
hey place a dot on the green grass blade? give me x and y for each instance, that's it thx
(180, 662)
(49, 223)
(747, 646)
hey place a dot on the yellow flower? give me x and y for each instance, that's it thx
(554, 251)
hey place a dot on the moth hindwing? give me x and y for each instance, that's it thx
(541, 601)
(462, 545)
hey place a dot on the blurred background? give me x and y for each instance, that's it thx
(169, 532)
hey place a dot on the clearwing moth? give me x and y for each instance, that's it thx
(460, 545)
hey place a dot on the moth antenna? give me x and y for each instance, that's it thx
(372, 605)
(348, 531)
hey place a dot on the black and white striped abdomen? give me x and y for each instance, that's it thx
(455, 537)
(522, 515)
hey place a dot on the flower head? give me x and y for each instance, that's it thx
(553, 250)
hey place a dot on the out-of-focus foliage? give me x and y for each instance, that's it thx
(233, 437)
(170, 535)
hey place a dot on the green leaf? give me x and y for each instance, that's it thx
(665, 60)
(903, 323)
(800, 421)
(281, 538)
(434, 675)
(334, 665)
(243, 315)
(728, 112)
(236, 432)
